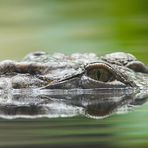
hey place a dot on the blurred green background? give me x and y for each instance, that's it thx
(70, 26)
(73, 26)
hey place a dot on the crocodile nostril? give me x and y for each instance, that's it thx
(40, 53)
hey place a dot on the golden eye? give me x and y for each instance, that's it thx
(100, 73)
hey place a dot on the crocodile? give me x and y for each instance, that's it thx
(61, 85)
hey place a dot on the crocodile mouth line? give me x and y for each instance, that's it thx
(74, 91)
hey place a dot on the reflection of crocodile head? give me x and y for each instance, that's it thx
(68, 85)
(98, 103)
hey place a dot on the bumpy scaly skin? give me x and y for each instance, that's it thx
(40, 70)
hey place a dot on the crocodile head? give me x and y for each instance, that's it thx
(52, 86)
(81, 71)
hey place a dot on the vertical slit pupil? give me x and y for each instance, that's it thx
(98, 74)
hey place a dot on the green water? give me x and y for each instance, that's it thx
(75, 26)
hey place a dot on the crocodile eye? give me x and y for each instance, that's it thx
(100, 72)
